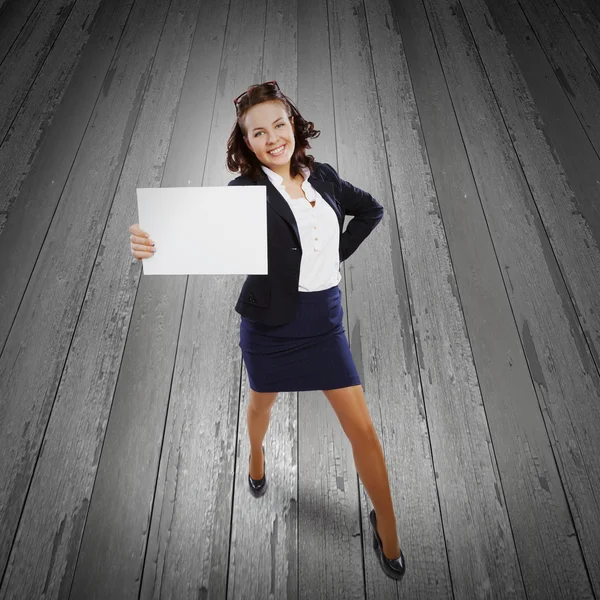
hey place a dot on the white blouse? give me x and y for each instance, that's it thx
(319, 235)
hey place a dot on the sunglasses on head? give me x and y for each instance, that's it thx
(271, 84)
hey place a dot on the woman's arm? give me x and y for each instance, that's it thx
(367, 212)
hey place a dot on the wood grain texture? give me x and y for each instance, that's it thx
(29, 119)
(595, 7)
(471, 310)
(264, 548)
(572, 67)
(577, 163)
(28, 52)
(45, 179)
(34, 361)
(435, 418)
(527, 471)
(13, 16)
(571, 224)
(199, 532)
(560, 363)
(585, 26)
(561, 167)
(330, 552)
(116, 533)
(575, 240)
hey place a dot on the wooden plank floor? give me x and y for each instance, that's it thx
(472, 311)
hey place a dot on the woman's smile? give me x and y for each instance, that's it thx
(277, 151)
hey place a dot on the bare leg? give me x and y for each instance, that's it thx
(370, 464)
(258, 416)
(350, 406)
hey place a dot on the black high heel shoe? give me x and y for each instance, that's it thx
(394, 567)
(258, 486)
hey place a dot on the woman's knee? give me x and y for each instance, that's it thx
(262, 401)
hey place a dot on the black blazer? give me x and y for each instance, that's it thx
(273, 299)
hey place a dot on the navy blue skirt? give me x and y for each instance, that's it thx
(309, 353)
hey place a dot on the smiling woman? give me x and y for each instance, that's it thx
(269, 131)
(292, 335)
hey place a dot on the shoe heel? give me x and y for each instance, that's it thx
(393, 568)
(259, 486)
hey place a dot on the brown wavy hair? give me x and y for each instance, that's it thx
(241, 159)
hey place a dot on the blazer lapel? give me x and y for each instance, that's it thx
(278, 203)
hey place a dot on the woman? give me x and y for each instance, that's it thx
(291, 334)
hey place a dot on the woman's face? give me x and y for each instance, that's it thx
(268, 128)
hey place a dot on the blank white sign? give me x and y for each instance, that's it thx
(219, 230)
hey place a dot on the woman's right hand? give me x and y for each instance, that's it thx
(141, 244)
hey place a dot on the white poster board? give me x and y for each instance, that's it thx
(219, 230)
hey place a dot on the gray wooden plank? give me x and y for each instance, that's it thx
(200, 448)
(330, 548)
(27, 54)
(24, 233)
(561, 365)
(34, 359)
(263, 558)
(38, 108)
(13, 15)
(561, 168)
(557, 157)
(114, 541)
(530, 482)
(339, 515)
(574, 70)
(438, 364)
(379, 301)
(557, 120)
(595, 6)
(112, 557)
(586, 27)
